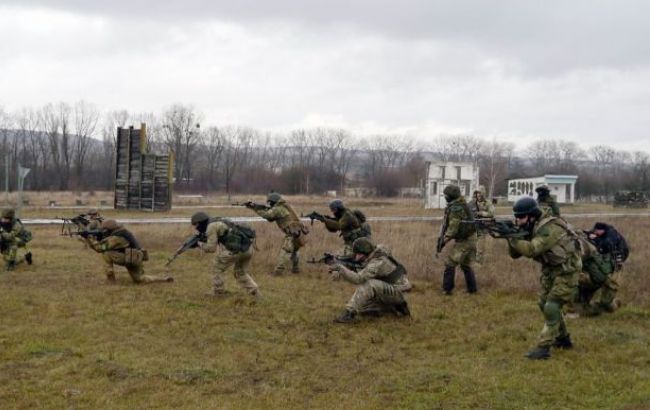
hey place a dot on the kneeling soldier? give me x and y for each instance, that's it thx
(235, 251)
(381, 282)
(13, 236)
(119, 247)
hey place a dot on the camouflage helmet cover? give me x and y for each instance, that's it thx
(480, 190)
(199, 217)
(363, 245)
(92, 212)
(452, 192)
(526, 206)
(8, 213)
(110, 225)
(336, 204)
(273, 197)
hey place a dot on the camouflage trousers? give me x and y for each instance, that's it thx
(462, 252)
(481, 243)
(557, 290)
(241, 265)
(112, 258)
(374, 296)
(288, 256)
(608, 290)
(11, 254)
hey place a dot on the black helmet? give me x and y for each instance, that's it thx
(451, 192)
(273, 198)
(526, 206)
(199, 217)
(363, 245)
(336, 205)
(542, 190)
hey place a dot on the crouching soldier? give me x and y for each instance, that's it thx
(280, 212)
(555, 246)
(236, 250)
(119, 247)
(381, 282)
(13, 237)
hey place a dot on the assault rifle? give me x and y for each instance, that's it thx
(316, 216)
(252, 205)
(191, 242)
(98, 235)
(72, 226)
(498, 228)
(329, 259)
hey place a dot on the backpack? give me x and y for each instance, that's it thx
(364, 226)
(619, 246)
(238, 238)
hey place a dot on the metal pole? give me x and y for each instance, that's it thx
(7, 180)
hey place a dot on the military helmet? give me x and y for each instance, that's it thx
(110, 225)
(273, 197)
(363, 245)
(336, 204)
(199, 217)
(542, 190)
(452, 192)
(8, 213)
(526, 206)
(92, 212)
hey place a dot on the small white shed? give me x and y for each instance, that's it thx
(441, 174)
(562, 187)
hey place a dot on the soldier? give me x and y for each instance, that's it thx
(381, 282)
(546, 202)
(346, 222)
(235, 251)
(95, 219)
(482, 208)
(118, 246)
(553, 244)
(463, 252)
(601, 267)
(285, 217)
(12, 237)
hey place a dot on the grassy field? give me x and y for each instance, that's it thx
(69, 340)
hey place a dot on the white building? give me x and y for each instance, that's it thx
(441, 174)
(562, 187)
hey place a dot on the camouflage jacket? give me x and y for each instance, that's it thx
(553, 244)
(456, 211)
(378, 265)
(482, 209)
(214, 231)
(117, 241)
(284, 216)
(13, 235)
(348, 224)
(549, 206)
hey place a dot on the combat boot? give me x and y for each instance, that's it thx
(11, 265)
(470, 279)
(563, 342)
(346, 317)
(110, 278)
(402, 309)
(539, 353)
(448, 280)
(28, 258)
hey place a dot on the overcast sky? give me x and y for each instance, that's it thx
(576, 70)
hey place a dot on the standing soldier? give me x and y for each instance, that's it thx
(464, 235)
(119, 247)
(236, 250)
(280, 212)
(381, 280)
(553, 244)
(13, 236)
(482, 208)
(546, 202)
(346, 222)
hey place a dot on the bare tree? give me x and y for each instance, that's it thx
(85, 118)
(494, 163)
(181, 133)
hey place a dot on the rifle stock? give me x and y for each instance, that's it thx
(498, 228)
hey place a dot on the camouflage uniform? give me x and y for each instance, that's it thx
(381, 283)
(294, 235)
(547, 202)
(463, 252)
(225, 258)
(600, 272)
(482, 208)
(349, 226)
(13, 237)
(114, 248)
(554, 245)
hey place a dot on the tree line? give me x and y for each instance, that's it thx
(72, 147)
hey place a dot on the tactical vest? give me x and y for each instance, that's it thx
(350, 234)
(291, 224)
(564, 249)
(464, 230)
(238, 237)
(397, 274)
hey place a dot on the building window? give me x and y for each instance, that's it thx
(458, 173)
(442, 172)
(434, 188)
